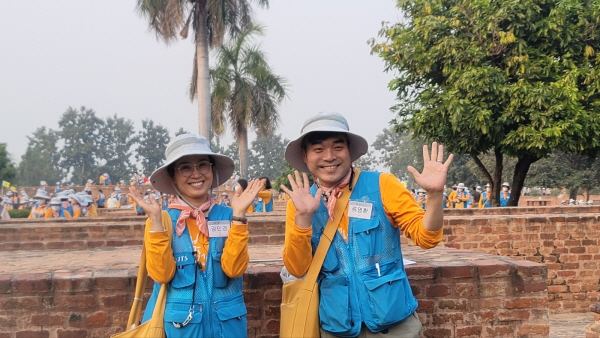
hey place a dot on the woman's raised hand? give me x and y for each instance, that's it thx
(241, 200)
(152, 208)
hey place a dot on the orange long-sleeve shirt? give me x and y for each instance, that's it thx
(161, 263)
(400, 208)
(266, 196)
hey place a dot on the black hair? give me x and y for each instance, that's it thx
(243, 183)
(319, 136)
(268, 184)
(171, 167)
(99, 190)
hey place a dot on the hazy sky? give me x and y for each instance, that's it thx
(101, 55)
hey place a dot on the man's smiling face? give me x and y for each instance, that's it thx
(329, 159)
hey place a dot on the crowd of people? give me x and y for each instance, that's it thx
(64, 203)
(460, 196)
(61, 203)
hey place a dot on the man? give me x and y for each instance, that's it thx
(363, 272)
(485, 200)
(100, 199)
(461, 197)
(476, 196)
(505, 194)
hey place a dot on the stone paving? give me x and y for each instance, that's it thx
(571, 325)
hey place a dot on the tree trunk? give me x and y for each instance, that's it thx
(573, 193)
(497, 182)
(242, 138)
(203, 78)
(586, 194)
(519, 175)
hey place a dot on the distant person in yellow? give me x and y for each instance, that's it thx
(265, 197)
(55, 211)
(92, 209)
(41, 204)
(461, 196)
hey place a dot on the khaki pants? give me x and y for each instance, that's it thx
(408, 328)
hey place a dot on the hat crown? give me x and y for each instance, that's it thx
(180, 141)
(325, 121)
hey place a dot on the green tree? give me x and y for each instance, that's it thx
(8, 170)
(245, 91)
(233, 152)
(117, 140)
(267, 156)
(282, 178)
(80, 134)
(211, 20)
(397, 150)
(181, 131)
(153, 140)
(367, 162)
(570, 171)
(41, 159)
(514, 78)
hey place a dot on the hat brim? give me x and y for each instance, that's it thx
(295, 156)
(222, 169)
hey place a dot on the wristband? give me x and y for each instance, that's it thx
(239, 219)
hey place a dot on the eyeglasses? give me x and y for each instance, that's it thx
(186, 170)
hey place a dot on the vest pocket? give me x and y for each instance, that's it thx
(185, 271)
(232, 316)
(178, 313)
(390, 299)
(334, 307)
(368, 236)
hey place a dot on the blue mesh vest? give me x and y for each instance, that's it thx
(219, 309)
(362, 281)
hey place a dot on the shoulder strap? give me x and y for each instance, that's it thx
(140, 286)
(329, 233)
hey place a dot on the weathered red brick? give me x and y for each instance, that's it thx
(47, 320)
(32, 283)
(434, 291)
(469, 331)
(72, 333)
(526, 302)
(32, 334)
(98, 319)
(273, 294)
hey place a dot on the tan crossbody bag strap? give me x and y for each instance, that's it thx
(140, 286)
(328, 234)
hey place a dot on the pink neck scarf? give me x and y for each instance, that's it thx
(335, 192)
(187, 212)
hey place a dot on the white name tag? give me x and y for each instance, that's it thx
(360, 210)
(218, 228)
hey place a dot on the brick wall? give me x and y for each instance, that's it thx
(461, 294)
(565, 239)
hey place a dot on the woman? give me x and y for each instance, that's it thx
(41, 204)
(208, 253)
(55, 209)
(265, 201)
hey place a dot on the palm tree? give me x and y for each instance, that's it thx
(211, 20)
(245, 91)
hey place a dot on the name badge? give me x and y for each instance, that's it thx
(218, 228)
(360, 210)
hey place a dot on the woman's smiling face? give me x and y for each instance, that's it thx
(194, 187)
